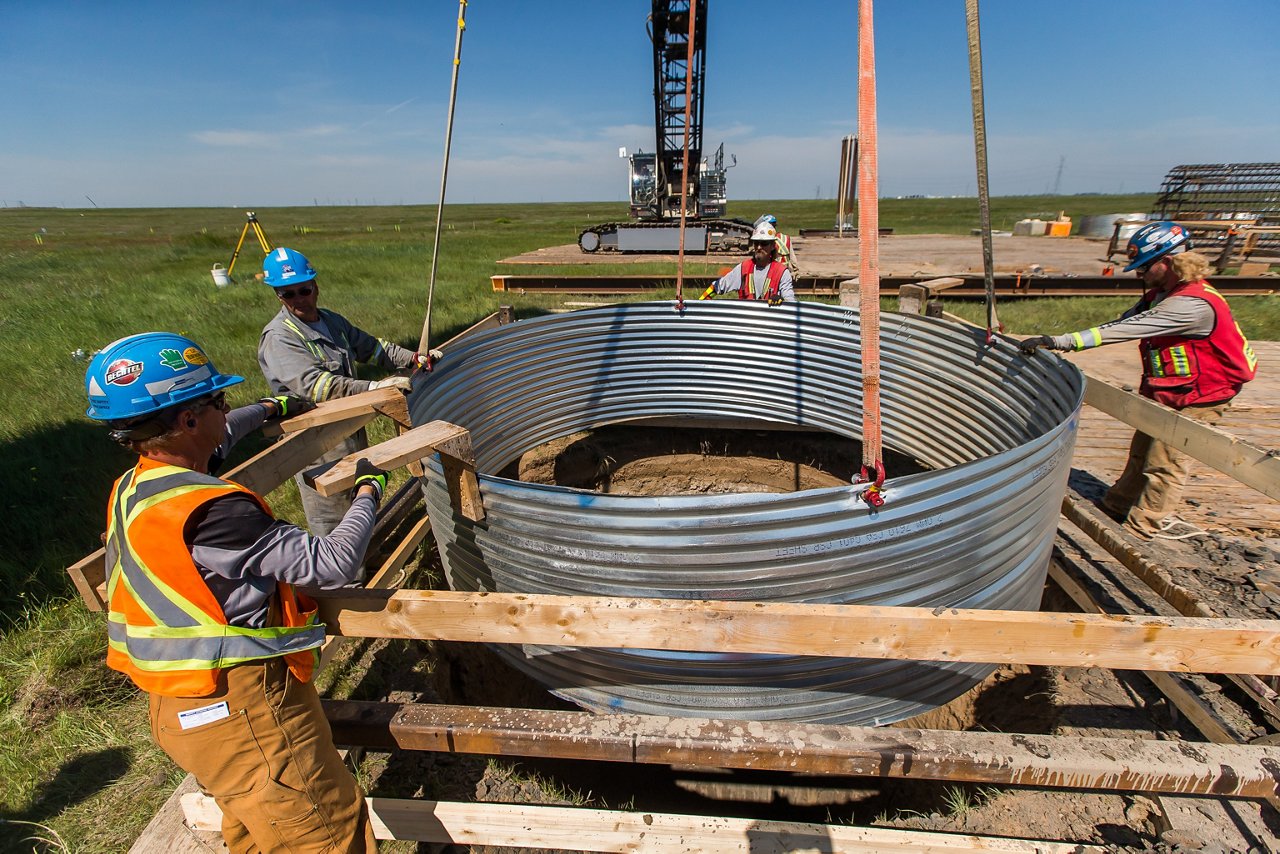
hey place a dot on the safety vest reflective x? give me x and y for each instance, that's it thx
(772, 280)
(1180, 371)
(165, 628)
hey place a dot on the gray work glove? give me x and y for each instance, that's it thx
(1035, 342)
(426, 360)
(369, 474)
(402, 383)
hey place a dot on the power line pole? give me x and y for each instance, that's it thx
(1057, 182)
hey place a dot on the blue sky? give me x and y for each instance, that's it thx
(288, 103)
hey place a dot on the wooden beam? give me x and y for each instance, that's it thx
(936, 286)
(785, 628)
(1248, 463)
(261, 473)
(1078, 579)
(451, 441)
(338, 409)
(579, 829)
(1006, 759)
(392, 454)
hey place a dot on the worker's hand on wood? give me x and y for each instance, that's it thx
(285, 406)
(402, 383)
(367, 474)
(426, 360)
(1035, 342)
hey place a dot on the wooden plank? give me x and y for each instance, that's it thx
(581, 829)
(1075, 577)
(1248, 463)
(1084, 515)
(936, 286)
(261, 473)
(338, 409)
(168, 832)
(392, 454)
(457, 459)
(995, 758)
(784, 628)
(398, 558)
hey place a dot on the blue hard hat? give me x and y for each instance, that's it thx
(146, 373)
(283, 267)
(769, 218)
(1155, 240)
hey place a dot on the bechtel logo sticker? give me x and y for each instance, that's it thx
(123, 371)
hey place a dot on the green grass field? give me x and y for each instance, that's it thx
(75, 754)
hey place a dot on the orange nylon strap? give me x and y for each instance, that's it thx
(869, 250)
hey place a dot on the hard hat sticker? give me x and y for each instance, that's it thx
(172, 359)
(123, 371)
(195, 356)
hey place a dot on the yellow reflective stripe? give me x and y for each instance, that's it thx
(1157, 367)
(175, 598)
(322, 386)
(1181, 364)
(212, 630)
(1080, 342)
(311, 346)
(184, 664)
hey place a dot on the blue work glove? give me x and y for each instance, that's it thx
(368, 473)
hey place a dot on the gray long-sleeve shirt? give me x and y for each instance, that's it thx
(1189, 316)
(241, 552)
(731, 282)
(317, 362)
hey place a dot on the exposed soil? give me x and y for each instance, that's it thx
(900, 254)
(1062, 701)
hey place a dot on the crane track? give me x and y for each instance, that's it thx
(723, 235)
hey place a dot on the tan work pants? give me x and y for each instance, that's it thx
(270, 764)
(1154, 475)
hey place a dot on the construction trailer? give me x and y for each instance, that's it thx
(1136, 616)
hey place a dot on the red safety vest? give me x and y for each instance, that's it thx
(1179, 371)
(165, 628)
(772, 280)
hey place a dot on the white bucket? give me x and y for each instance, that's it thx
(220, 277)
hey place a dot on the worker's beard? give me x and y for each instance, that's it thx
(763, 257)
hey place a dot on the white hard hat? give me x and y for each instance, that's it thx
(764, 231)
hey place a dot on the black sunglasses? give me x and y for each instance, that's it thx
(303, 291)
(215, 401)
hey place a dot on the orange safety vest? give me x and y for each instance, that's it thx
(772, 280)
(165, 628)
(1179, 371)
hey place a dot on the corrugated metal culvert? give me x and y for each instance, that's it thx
(997, 429)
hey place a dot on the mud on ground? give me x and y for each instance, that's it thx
(1062, 701)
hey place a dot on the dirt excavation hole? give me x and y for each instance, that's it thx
(626, 460)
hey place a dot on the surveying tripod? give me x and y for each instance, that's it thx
(251, 223)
